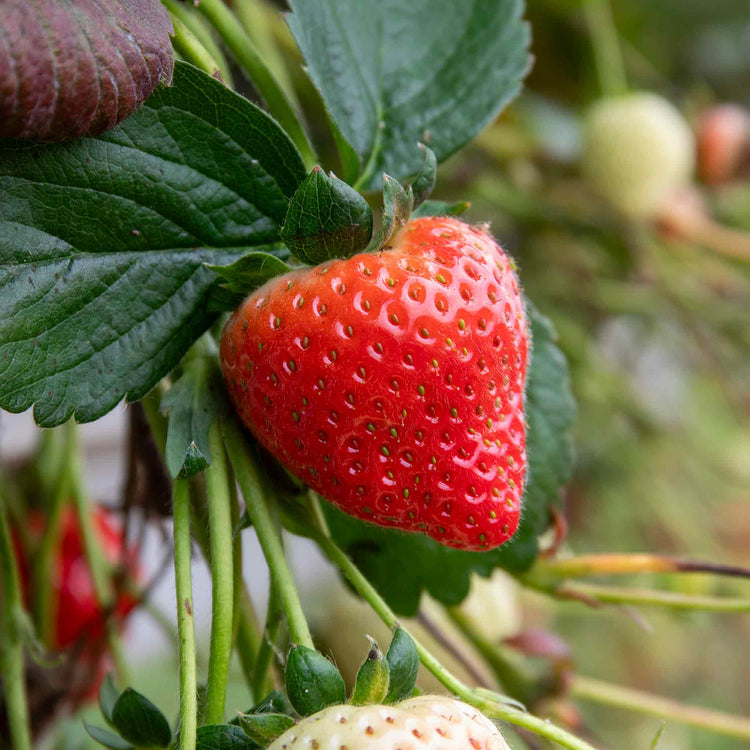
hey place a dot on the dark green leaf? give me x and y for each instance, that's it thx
(402, 566)
(424, 182)
(394, 74)
(193, 403)
(439, 208)
(139, 721)
(264, 728)
(371, 685)
(223, 737)
(108, 695)
(106, 738)
(403, 661)
(312, 682)
(103, 243)
(326, 219)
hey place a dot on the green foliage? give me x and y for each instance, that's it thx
(139, 721)
(402, 566)
(244, 276)
(103, 243)
(371, 685)
(312, 682)
(403, 662)
(108, 695)
(326, 219)
(393, 75)
(424, 182)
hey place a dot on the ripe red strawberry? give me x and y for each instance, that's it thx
(392, 383)
(430, 721)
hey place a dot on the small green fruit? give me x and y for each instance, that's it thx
(638, 152)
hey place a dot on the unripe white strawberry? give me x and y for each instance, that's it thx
(429, 722)
(638, 152)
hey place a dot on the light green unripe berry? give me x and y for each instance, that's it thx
(638, 152)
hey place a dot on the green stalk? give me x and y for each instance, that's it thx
(190, 47)
(610, 67)
(11, 642)
(222, 577)
(597, 691)
(248, 641)
(251, 485)
(185, 622)
(242, 47)
(186, 17)
(492, 709)
(595, 594)
(265, 654)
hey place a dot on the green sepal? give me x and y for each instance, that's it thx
(108, 695)
(223, 737)
(266, 727)
(398, 202)
(106, 738)
(312, 682)
(424, 183)
(372, 681)
(403, 663)
(326, 219)
(276, 702)
(139, 721)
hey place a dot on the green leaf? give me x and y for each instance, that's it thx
(403, 661)
(139, 721)
(223, 737)
(264, 728)
(424, 183)
(106, 738)
(312, 682)
(402, 566)
(326, 219)
(393, 74)
(371, 685)
(108, 695)
(439, 208)
(193, 403)
(103, 243)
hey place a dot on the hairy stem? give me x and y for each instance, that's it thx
(265, 654)
(597, 691)
(493, 709)
(246, 54)
(222, 576)
(251, 485)
(248, 641)
(11, 642)
(194, 41)
(185, 622)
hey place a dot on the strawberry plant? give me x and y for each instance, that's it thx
(357, 358)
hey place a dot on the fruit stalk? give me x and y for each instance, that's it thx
(222, 577)
(260, 684)
(242, 47)
(597, 691)
(185, 623)
(190, 47)
(493, 709)
(11, 644)
(610, 67)
(252, 489)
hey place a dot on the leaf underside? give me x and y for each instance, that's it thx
(393, 74)
(401, 566)
(103, 242)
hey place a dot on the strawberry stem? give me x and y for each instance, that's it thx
(251, 485)
(610, 67)
(185, 623)
(190, 47)
(598, 691)
(493, 709)
(11, 643)
(246, 54)
(261, 684)
(222, 577)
